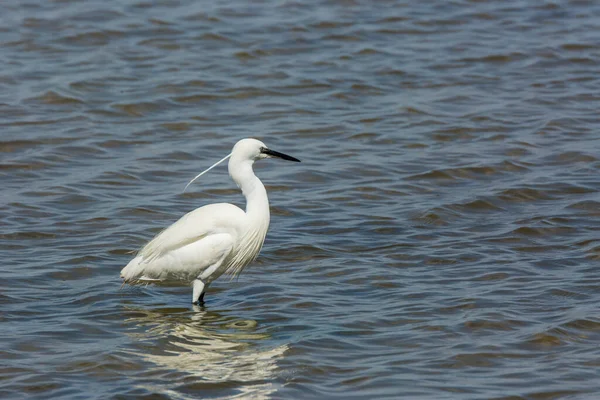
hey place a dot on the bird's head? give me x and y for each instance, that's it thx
(252, 149)
(247, 150)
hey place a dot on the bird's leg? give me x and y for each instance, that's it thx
(198, 292)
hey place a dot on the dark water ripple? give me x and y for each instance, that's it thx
(439, 240)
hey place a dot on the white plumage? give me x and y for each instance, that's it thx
(214, 239)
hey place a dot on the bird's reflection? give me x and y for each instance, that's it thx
(213, 347)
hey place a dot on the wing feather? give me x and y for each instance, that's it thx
(201, 240)
(192, 227)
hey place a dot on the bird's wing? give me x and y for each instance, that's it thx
(184, 264)
(192, 227)
(198, 243)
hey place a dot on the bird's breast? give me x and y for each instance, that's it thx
(248, 247)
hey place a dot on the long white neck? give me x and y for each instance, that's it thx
(257, 202)
(254, 229)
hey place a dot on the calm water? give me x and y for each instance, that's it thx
(440, 239)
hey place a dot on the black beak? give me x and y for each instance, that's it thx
(277, 154)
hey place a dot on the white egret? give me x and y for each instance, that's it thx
(213, 239)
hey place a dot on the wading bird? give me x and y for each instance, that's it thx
(213, 239)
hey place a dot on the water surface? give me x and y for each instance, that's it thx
(439, 240)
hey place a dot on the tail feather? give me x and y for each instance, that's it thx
(136, 273)
(133, 271)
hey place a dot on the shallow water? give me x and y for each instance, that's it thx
(439, 240)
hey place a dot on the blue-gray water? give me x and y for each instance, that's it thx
(440, 239)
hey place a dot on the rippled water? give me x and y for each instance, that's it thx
(439, 240)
